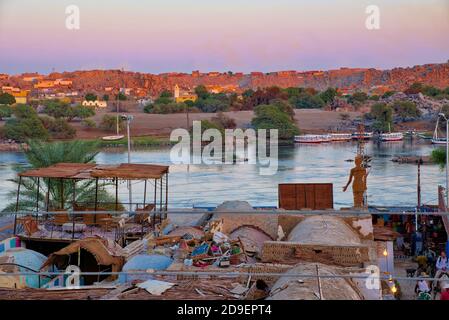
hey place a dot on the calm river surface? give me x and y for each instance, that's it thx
(389, 183)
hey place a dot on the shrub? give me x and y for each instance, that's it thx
(5, 111)
(109, 123)
(89, 124)
(60, 129)
(406, 109)
(6, 98)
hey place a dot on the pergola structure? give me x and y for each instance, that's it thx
(57, 175)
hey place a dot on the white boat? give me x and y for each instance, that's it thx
(113, 138)
(341, 136)
(436, 139)
(362, 135)
(392, 136)
(313, 138)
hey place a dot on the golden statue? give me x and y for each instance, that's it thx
(359, 175)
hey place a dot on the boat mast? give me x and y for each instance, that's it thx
(435, 133)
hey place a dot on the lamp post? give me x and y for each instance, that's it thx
(442, 115)
(128, 119)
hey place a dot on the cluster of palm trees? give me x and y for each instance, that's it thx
(43, 154)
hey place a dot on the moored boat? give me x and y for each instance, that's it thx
(436, 139)
(392, 136)
(341, 136)
(362, 135)
(113, 138)
(313, 138)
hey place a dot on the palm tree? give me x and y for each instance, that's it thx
(41, 154)
(439, 157)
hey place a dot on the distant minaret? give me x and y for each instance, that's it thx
(176, 93)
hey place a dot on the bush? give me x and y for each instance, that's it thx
(22, 129)
(406, 109)
(161, 108)
(89, 124)
(224, 121)
(90, 97)
(109, 123)
(6, 98)
(5, 111)
(358, 97)
(383, 117)
(60, 129)
(307, 101)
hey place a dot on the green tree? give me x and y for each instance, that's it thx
(271, 117)
(25, 125)
(109, 123)
(328, 96)
(121, 96)
(6, 98)
(166, 94)
(83, 112)
(358, 97)
(40, 155)
(90, 97)
(58, 128)
(406, 109)
(307, 101)
(438, 156)
(5, 111)
(201, 92)
(383, 117)
(106, 97)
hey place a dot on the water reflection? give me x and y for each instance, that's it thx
(389, 183)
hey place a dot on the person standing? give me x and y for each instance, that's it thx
(441, 266)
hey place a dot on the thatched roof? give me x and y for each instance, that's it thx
(105, 252)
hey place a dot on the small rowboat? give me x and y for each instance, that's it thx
(392, 136)
(113, 138)
(313, 138)
(341, 136)
(439, 141)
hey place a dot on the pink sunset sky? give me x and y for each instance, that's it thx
(246, 35)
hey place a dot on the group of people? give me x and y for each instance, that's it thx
(438, 267)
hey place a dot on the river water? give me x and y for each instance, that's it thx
(389, 183)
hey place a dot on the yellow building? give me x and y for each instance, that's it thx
(183, 97)
(21, 96)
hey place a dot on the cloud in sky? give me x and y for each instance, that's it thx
(244, 35)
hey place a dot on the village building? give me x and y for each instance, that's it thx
(97, 104)
(183, 96)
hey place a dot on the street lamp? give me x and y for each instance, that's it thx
(442, 115)
(128, 119)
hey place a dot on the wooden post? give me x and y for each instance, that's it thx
(116, 194)
(17, 203)
(320, 290)
(166, 192)
(37, 193)
(155, 190)
(62, 194)
(144, 194)
(160, 200)
(47, 204)
(74, 194)
(96, 193)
